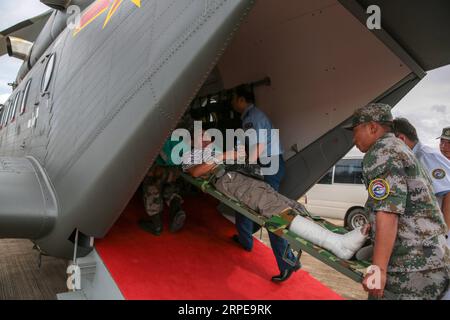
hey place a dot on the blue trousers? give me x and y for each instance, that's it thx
(245, 226)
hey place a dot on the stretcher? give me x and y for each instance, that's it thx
(354, 269)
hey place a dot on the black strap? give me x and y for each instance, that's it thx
(249, 170)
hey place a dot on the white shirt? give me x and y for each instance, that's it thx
(437, 167)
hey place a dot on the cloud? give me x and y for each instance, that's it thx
(441, 109)
(4, 97)
(13, 12)
(8, 71)
(427, 106)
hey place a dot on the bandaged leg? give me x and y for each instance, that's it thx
(343, 246)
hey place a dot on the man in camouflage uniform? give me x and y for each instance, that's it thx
(407, 226)
(162, 184)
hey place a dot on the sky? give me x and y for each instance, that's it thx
(427, 106)
(11, 13)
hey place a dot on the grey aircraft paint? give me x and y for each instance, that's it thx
(113, 97)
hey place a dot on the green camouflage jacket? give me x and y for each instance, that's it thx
(397, 183)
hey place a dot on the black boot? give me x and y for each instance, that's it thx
(152, 224)
(286, 274)
(176, 214)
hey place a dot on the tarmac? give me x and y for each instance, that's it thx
(21, 277)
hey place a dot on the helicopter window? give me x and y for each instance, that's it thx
(2, 112)
(14, 107)
(48, 74)
(25, 97)
(5, 106)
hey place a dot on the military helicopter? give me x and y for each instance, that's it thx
(99, 92)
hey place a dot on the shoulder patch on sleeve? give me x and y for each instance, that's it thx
(379, 189)
(438, 174)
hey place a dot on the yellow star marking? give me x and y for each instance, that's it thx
(112, 10)
(137, 3)
(88, 22)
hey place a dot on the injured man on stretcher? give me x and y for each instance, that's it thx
(241, 183)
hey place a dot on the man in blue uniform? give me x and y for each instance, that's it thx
(265, 150)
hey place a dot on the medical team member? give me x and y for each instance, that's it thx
(252, 118)
(436, 165)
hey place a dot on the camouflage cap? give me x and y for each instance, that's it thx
(445, 134)
(378, 112)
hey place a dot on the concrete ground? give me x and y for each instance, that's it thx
(21, 278)
(334, 280)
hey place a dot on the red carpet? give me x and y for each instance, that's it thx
(199, 262)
